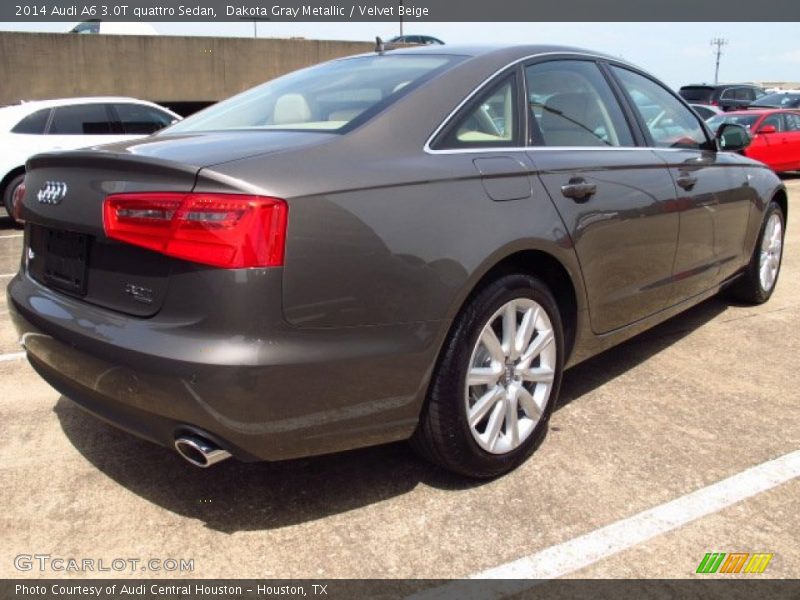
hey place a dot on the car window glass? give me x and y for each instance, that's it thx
(139, 119)
(33, 123)
(773, 120)
(489, 122)
(670, 123)
(81, 119)
(330, 97)
(792, 122)
(571, 104)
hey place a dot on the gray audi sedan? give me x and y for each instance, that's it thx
(411, 244)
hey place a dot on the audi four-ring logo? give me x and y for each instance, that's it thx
(52, 192)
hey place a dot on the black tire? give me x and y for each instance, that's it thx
(443, 435)
(748, 287)
(8, 195)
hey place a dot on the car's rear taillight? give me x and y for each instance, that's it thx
(16, 202)
(224, 230)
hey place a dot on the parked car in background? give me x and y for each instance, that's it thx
(406, 244)
(416, 39)
(32, 127)
(706, 111)
(96, 26)
(728, 96)
(778, 100)
(775, 135)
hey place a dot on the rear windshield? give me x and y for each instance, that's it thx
(329, 97)
(743, 120)
(696, 94)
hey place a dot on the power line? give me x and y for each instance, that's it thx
(719, 43)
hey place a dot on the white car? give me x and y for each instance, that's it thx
(67, 124)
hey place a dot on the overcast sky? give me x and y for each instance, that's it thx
(678, 53)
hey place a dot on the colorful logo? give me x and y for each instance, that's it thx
(735, 562)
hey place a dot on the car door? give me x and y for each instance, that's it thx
(792, 133)
(769, 142)
(712, 190)
(616, 199)
(81, 125)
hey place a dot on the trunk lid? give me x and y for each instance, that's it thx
(65, 245)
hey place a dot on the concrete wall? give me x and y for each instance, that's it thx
(160, 68)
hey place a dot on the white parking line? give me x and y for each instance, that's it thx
(12, 235)
(6, 275)
(11, 356)
(580, 552)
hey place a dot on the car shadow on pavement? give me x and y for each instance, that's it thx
(234, 496)
(600, 369)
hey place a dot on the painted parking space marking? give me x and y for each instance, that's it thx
(577, 553)
(11, 356)
(11, 235)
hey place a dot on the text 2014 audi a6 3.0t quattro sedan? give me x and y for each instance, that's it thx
(412, 244)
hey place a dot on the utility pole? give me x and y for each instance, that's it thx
(401, 20)
(719, 43)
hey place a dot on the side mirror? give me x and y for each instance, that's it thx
(732, 137)
(767, 129)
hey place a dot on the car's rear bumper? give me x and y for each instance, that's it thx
(293, 393)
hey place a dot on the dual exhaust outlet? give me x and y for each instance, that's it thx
(200, 451)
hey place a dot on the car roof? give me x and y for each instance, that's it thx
(715, 86)
(758, 111)
(509, 53)
(13, 113)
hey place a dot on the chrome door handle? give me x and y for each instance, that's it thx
(578, 189)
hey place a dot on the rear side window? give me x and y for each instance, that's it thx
(670, 123)
(489, 122)
(571, 104)
(33, 123)
(792, 122)
(139, 119)
(696, 94)
(82, 119)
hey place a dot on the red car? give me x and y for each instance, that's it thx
(776, 135)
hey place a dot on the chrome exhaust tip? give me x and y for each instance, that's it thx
(200, 451)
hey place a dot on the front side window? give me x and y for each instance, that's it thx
(33, 123)
(327, 97)
(775, 121)
(670, 123)
(491, 121)
(82, 119)
(571, 104)
(139, 119)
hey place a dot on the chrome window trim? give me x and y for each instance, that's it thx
(567, 55)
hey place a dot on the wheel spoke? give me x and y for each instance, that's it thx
(492, 344)
(543, 339)
(484, 405)
(484, 375)
(494, 425)
(509, 329)
(512, 420)
(525, 332)
(528, 404)
(537, 374)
